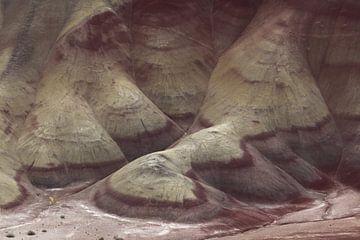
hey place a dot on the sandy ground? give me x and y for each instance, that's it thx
(337, 217)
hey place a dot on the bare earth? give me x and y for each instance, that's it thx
(72, 217)
(175, 119)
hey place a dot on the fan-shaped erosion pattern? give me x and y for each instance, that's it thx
(226, 117)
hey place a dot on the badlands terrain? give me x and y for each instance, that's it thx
(180, 119)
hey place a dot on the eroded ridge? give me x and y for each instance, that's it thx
(190, 110)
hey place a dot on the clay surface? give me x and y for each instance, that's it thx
(164, 119)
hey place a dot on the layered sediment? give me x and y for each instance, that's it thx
(188, 110)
